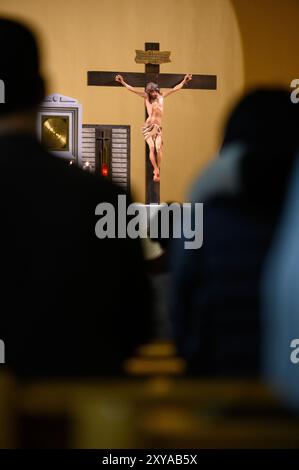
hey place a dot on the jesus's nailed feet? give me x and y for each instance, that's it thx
(156, 176)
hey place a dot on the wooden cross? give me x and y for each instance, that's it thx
(164, 80)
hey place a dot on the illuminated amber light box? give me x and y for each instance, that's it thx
(59, 127)
(55, 132)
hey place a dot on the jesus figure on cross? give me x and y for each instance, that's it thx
(152, 128)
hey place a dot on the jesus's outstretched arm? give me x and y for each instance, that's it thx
(119, 78)
(186, 79)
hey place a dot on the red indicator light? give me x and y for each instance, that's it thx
(104, 169)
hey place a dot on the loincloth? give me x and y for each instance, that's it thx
(151, 130)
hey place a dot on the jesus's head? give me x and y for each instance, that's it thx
(152, 90)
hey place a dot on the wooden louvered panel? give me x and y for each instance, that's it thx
(120, 151)
(88, 147)
(119, 163)
(119, 166)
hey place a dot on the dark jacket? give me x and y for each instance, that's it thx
(215, 304)
(71, 304)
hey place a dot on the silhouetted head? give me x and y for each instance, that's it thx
(152, 90)
(263, 116)
(22, 85)
(267, 123)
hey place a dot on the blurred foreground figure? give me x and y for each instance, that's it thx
(71, 304)
(281, 303)
(215, 296)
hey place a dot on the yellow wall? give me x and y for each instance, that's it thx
(242, 42)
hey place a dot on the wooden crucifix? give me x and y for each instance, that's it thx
(164, 80)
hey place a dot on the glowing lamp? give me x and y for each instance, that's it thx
(104, 169)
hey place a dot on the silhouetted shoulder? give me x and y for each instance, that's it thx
(82, 182)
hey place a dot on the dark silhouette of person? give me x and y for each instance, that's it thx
(216, 291)
(280, 303)
(71, 304)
